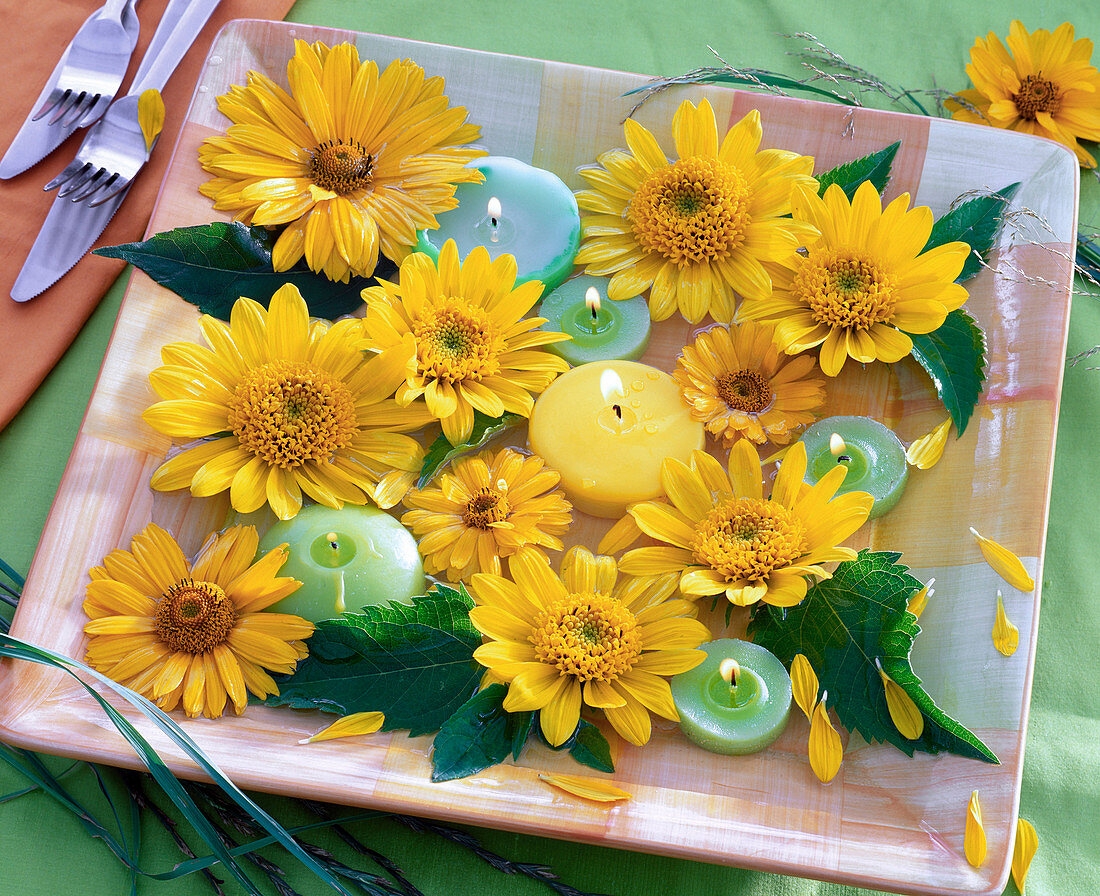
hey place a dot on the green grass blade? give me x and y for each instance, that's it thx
(12, 574)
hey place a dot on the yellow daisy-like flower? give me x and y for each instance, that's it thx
(486, 509)
(740, 386)
(475, 351)
(1042, 83)
(723, 536)
(695, 231)
(584, 637)
(193, 633)
(351, 161)
(865, 283)
(285, 407)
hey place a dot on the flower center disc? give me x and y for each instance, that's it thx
(288, 413)
(485, 507)
(1036, 95)
(340, 167)
(695, 210)
(845, 290)
(746, 539)
(194, 617)
(744, 390)
(457, 341)
(588, 636)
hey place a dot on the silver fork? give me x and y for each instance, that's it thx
(114, 151)
(95, 64)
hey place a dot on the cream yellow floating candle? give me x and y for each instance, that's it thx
(607, 427)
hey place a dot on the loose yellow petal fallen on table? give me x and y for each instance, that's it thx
(903, 711)
(804, 684)
(619, 537)
(1006, 637)
(1027, 841)
(349, 726)
(777, 457)
(151, 116)
(926, 451)
(919, 601)
(1006, 564)
(826, 750)
(587, 788)
(974, 839)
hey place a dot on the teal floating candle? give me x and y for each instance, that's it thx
(520, 210)
(738, 714)
(873, 454)
(346, 560)
(601, 330)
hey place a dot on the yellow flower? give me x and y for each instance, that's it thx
(475, 351)
(586, 636)
(739, 385)
(285, 406)
(723, 536)
(695, 231)
(1041, 84)
(193, 633)
(864, 284)
(353, 162)
(486, 509)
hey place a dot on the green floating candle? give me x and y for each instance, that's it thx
(346, 560)
(741, 711)
(601, 330)
(874, 456)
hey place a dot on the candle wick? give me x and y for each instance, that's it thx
(618, 411)
(595, 316)
(494, 220)
(844, 459)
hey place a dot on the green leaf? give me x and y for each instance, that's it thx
(954, 356)
(520, 723)
(975, 222)
(874, 168)
(413, 663)
(590, 747)
(842, 626)
(476, 737)
(442, 452)
(212, 265)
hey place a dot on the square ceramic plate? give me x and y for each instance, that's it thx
(887, 821)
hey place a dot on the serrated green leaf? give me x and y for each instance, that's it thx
(212, 265)
(475, 738)
(954, 356)
(590, 747)
(976, 223)
(413, 663)
(442, 452)
(842, 626)
(874, 168)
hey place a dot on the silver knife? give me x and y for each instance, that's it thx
(37, 139)
(71, 227)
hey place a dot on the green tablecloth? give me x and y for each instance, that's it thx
(44, 849)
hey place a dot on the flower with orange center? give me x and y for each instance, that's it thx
(694, 232)
(1042, 83)
(739, 385)
(193, 633)
(484, 510)
(584, 637)
(722, 536)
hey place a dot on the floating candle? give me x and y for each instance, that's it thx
(874, 456)
(601, 330)
(521, 210)
(345, 559)
(607, 428)
(736, 701)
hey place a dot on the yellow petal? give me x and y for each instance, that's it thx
(919, 601)
(1027, 841)
(926, 451)
(150, 116)
(826, 750)
(349, 726)
(1006, 564)
(805, 685)
(974, 840)
(903, 711)
(588, 788)
(1006, 637)
(620, 536)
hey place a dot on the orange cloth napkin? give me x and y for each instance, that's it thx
(34, 334)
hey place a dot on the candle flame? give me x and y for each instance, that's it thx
(836, 445)
(494, 209)
(611, 386)
(729, 670)
(592, 299)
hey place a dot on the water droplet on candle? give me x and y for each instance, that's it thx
(651, 428)
(637, 385)
(635, 403)
(588, 483)
(653, 374)
(215, 60)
